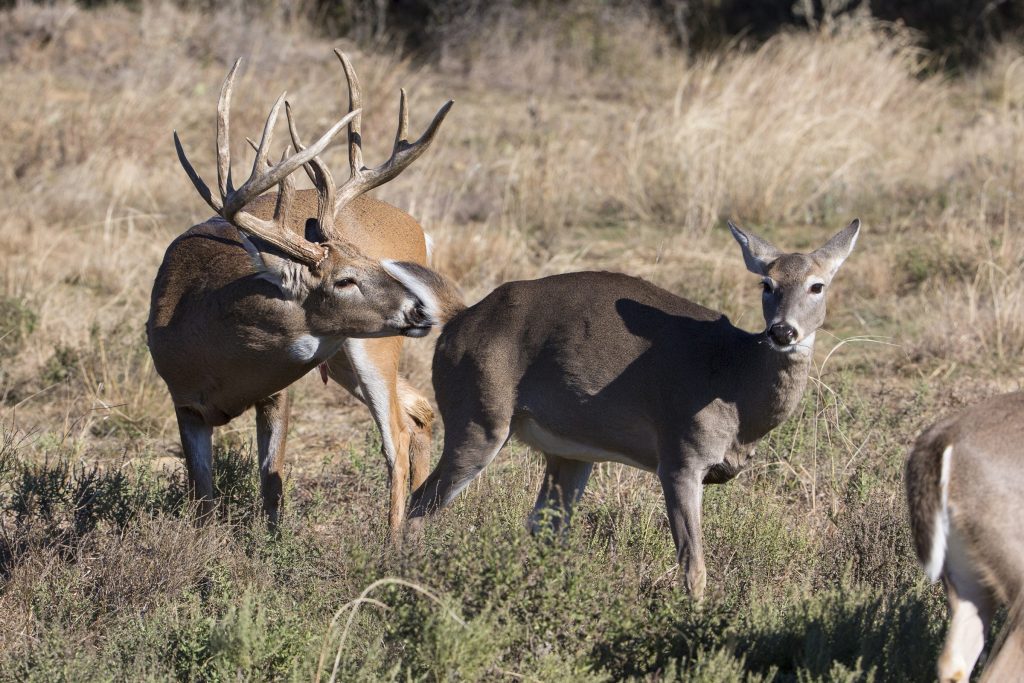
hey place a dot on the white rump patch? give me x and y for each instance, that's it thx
(940, 532)
(418, 287)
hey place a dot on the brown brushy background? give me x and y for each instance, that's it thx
(593, 135)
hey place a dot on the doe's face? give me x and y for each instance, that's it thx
(794, 285)
(793, 300)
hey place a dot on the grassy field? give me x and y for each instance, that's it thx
(582, 143)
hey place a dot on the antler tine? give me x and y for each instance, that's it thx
(231, 202)
(403, 117)
(321, 177)
(355, 102)
(268, 134)
(256, 184)
(308, 168)
(285, 195)
(271, 231)
(285, 189)
(260, 181)
(402, 154)
(215, 202)
(255, 147)
(223, 133)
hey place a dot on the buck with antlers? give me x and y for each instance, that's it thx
(249, 301)
(591, 367)
(965, 493)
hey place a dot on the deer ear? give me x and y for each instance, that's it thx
(439, 297)
(757, 253)
(835, 251)
(280, 271)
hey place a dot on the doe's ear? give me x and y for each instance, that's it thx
(439, 296)
(838, 248)
(757, 253)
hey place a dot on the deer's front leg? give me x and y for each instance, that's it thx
(684, 490)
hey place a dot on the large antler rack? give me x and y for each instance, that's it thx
(403, 153)
(231, 202)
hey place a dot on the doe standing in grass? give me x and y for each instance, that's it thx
(965, 493)
(591, 367)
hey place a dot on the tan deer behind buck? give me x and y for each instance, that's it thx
(251, 300)
(592, 367)
(965, 494)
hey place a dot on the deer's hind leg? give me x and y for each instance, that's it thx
(271, 437)
(369, 370)
(971, 607)
(564, 482)
(197, 447)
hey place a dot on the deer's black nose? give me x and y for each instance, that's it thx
(782, 334)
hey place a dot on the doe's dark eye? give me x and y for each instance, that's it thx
(767, 287)
(817, 288)
(344, 282)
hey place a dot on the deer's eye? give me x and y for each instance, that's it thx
(817, 288)
(344, 282)
(766, 287)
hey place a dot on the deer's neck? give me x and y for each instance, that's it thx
(775, 382)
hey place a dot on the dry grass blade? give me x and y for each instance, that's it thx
(352, 607)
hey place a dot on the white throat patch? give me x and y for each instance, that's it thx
(307, 348)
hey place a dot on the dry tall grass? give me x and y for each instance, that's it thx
(580, 143)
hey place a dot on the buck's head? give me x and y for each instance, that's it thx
(794, 285)
(344, 292)
(349, 294)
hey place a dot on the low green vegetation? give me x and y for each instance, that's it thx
(588, 139)
(106, 578)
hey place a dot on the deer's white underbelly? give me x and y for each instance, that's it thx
(548, 442)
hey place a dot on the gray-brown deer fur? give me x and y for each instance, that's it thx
(965, 494)
(249, 301)
(590, 367)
